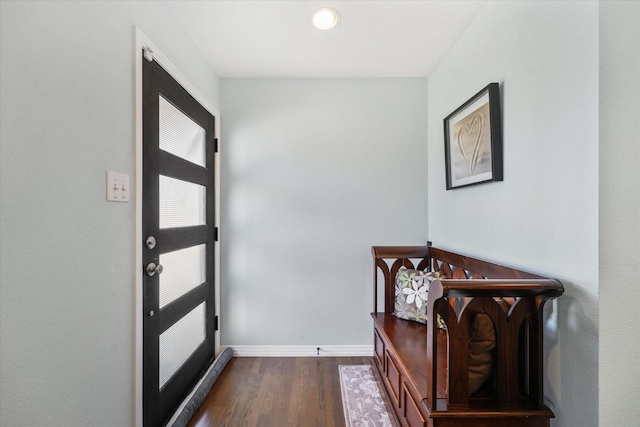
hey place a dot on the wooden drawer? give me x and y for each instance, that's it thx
(393, 379)
(378, 347)
(412, 413)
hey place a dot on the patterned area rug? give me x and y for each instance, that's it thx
(363, 404)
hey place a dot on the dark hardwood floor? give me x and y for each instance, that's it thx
(277, 392)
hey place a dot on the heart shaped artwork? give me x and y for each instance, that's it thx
(473, 140)
(469, 138)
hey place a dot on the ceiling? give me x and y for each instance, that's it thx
(275, 39)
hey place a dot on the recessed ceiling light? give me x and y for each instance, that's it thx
(325, 18)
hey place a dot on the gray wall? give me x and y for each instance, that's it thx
(619, 364)
(66, 255)
(67, 274)
(544, 215)
(315, 172)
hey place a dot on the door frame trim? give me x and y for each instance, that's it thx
(143, 42)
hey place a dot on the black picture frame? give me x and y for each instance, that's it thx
(473, 140)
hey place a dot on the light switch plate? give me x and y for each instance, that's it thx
(117, 187)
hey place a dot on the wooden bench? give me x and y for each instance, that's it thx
(424, 368)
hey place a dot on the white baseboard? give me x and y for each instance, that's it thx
(302, 350)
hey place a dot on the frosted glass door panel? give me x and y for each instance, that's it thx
(179, 341)
(183, 270)
(182, 204)
(181, 136)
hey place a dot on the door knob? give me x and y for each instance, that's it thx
(152, 269)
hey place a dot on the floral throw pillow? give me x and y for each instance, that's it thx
(412, 291)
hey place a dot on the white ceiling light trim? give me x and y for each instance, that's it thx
(325, 18)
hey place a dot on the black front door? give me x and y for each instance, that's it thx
(178, 243)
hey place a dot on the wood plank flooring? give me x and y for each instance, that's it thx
(277, 392)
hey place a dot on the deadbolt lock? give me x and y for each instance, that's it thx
(150, 242)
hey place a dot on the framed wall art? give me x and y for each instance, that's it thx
(473, 140)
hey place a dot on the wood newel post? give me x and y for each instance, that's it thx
(435, 293)
(375, 281)
(536, 356)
